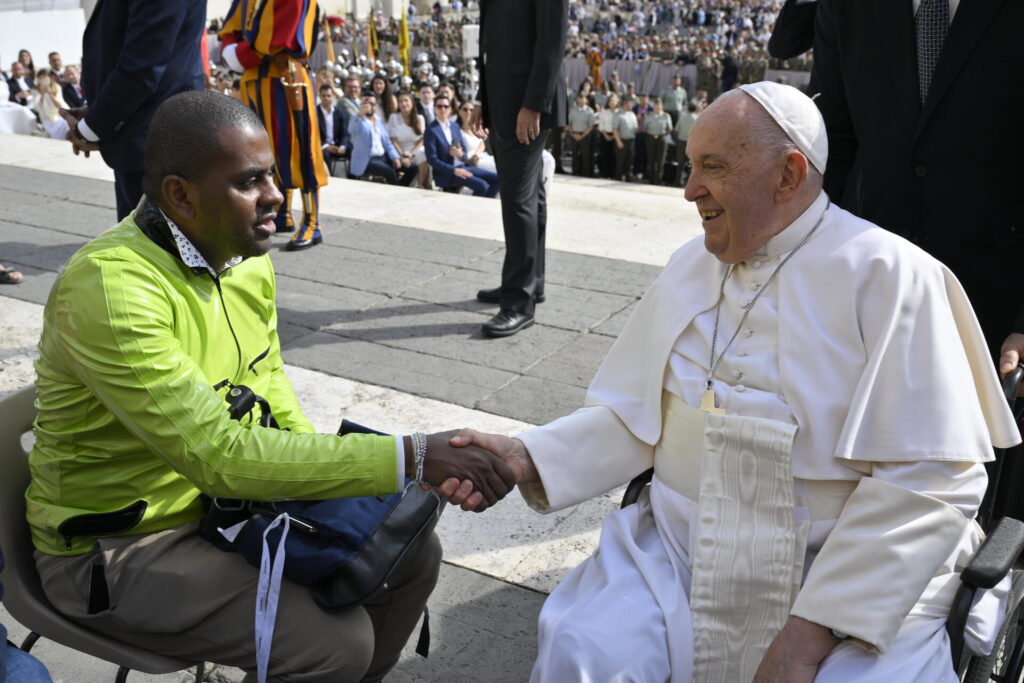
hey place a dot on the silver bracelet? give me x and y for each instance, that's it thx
(419, 446)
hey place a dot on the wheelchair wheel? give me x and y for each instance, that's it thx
(1006, 663)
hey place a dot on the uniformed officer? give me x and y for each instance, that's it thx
(673, 99)
(659, 126)
(624, 131)
(682, 134)
(580, 129)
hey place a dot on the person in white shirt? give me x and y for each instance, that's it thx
(405, 127)
(47, 102)
(817, 402)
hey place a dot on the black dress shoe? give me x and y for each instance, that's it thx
(507, 323)
(299, 245)
(493, 296)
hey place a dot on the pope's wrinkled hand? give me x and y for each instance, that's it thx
(1011, 353)
(795, 653)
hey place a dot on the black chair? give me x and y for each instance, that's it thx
(1002, 551)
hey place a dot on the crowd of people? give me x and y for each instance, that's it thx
(31, 98)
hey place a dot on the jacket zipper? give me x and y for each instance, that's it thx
(257, 359)
(227, 316)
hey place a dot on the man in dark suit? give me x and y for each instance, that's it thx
(793, 33)
(74, 96)
(522, 91)
(18, 85)
(927, 147)
(333, 121)
(135, 54)
(446, 151)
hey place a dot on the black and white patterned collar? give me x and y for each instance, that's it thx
(188, 252)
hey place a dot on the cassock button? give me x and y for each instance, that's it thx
(741, 354)
(748, 332)
(745, 303)
(738, 374)
(920, 170)
(740, 388)
(754, 286)
(756, 264)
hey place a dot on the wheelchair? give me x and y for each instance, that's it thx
(1002, 552)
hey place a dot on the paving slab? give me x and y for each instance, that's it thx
(534, 399)
(576, 363)
(64, 215)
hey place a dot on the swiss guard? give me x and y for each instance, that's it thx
(269, 41)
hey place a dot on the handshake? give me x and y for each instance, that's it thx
(473, 469)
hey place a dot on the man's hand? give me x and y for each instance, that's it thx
(80, 145)
(512, 451)
(456, 151)
(795, 653)
(463, 173)
(396, 162)
(468, 475)
(527, 125)
(619, 144)
(1011, 353)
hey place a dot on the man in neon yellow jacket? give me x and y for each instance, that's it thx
(145, 329)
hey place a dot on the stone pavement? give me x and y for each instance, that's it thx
(380, 325)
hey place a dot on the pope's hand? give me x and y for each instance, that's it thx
(795, 653)
(470, 476)
(512, 451)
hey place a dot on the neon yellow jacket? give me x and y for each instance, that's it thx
(130, 428)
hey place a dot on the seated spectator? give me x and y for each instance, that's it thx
(387, 103)
(372, 151)
(17, 666)
(14, 119)
(29, 65)
(72, 89)
(57, 68)
(446, 152)
(350, 102)
(333, 122)
(47, 103)
(131, 428)
(425, 103)
(406, 128)
(19, 85)
(476, 148)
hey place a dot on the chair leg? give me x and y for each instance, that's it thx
(122, 674)
(201, 672)
(29, 641)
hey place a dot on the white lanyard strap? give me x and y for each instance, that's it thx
(267, 593)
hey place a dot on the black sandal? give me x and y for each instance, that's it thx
(9, 277)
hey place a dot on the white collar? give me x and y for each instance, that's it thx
(787, 240)
(188, 252)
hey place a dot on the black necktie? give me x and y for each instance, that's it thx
(930, 26)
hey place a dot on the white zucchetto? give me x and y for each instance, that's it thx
(797, 114)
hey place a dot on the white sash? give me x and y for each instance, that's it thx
(748, 548)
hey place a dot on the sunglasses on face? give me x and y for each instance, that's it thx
(442, 106)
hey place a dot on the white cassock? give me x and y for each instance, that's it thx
(839, 485)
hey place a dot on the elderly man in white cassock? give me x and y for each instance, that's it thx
(817, 402)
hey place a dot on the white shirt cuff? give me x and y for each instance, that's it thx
(86, 131)
(400, 468)
(231, 59)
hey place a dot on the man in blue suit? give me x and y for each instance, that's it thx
(135, 54)
(446, 149)
(372, 151)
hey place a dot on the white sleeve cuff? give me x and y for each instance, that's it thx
(400, 466)
(86, 131)
(231, 59)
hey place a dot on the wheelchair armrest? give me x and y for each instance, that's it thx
(636, 486)
(997, 554)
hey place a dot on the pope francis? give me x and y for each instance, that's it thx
(817, 402)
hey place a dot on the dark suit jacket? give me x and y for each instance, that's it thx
(136, 54)
(794, 30)
(341, 136)
(437, 149)
(15, 89)
(947, 174)
(71, 96)
(522, 44)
